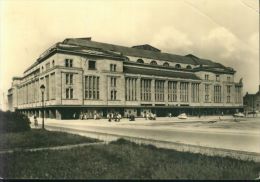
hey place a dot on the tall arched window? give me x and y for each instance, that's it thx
(188, 67)
(153, 62)
(178, 66)
(140, 61)
(166, 64)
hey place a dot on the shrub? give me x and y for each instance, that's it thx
(13, 122)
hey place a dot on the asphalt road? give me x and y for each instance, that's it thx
(226, 139)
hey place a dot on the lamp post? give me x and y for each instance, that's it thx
(42, 90)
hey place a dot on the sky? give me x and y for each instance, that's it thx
(226, 31)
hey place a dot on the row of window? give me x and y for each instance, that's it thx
(206, 76)
(166, 64)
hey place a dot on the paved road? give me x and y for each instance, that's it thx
(241, 140)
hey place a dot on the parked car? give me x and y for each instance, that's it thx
(183, 116)
(239, 115)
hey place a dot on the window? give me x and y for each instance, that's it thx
(113, 81)
(166, 64)
(207, 92)
(69, 79)
(188, 67)
(130, 89)
(217, 94)
(42, 68)
(217, 77)
(91, 87)
(113, 67)
(159, 90)
(178, 66)
(153, 62)
(140, 61)
(53, 63)
(195, 92)
(68, 62)
(228, 78)
(91, 65)
(69, 93)
(145, 90)
(206, 77)
(228, 93)
(53, 86)
(172, 91)
(113, 95)
(184, 92)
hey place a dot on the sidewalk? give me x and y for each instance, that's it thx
(63, 147)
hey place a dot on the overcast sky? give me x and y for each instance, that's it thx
(226, 31)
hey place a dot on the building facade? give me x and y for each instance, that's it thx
(81, 75)
(252, 102)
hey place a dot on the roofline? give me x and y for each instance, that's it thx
(59, 50)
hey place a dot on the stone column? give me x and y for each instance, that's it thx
(138, 89)
(166, 92)
(152, 90)
(178, 92)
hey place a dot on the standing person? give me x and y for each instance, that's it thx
(109, 117)
(118, 117)
(35, 121)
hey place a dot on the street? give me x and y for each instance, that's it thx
(209, 132)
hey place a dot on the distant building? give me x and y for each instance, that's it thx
(252, 101)
(84, 76)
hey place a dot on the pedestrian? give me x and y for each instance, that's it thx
(109, 117)
(118, 117)
(170, 115)
(35, 121)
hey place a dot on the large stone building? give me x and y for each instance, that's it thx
(252, 102)
(81, 75)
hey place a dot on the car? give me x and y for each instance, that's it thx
(239, 115)
(182, 116)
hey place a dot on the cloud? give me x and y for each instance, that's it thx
(170, 39)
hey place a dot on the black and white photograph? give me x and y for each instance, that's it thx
(129, 90)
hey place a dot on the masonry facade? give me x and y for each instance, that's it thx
(81, 75)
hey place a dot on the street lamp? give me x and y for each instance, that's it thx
(42, 90)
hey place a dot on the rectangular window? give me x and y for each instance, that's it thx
(184, 92)
(69, 78)
(113, 81)
(172, 91)
(69, 93)
(91, 87)
(68, 62)
(195, 92)
(47, 89)
(145, 90)
(207, 92)
(53, 86)
(113, 95)
(112, 67)
(159, 90)
(206, 77)
(91, 65)
(217, 94)
(130, 89)
(228, 78)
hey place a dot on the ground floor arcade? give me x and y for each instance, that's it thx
(101, 112)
